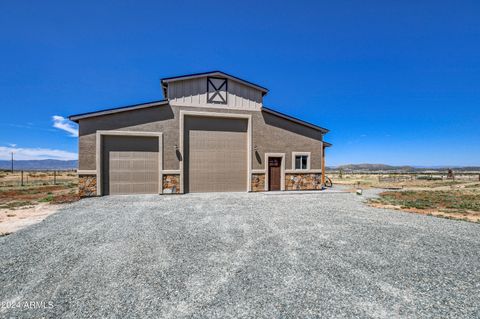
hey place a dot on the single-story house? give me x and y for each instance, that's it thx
(211, 133)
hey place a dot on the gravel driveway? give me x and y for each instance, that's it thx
(240, 255)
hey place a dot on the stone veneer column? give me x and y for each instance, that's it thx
(171, 184)
(258, 182)
(87, 185)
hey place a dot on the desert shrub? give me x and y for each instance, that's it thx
(47, 199)
(429, 178)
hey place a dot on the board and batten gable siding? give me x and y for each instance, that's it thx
(271, 134)
(193, 92)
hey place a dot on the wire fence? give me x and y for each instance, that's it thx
(24, 178)
(405, 177)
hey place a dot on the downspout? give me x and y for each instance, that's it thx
(323, 164)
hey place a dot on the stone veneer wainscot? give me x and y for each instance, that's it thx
(87, 185)
(258, 182)
(303, 181)
(171, 184)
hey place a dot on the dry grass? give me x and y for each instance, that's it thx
(8, 179)
(18, 197)
(454, 200)
(422, 194)
(461, 204)
(458, 199)
(400, 181)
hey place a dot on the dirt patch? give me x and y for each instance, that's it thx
(469, 216)
(30, 193)
(65, 198)
(13, 220)
(25, 205)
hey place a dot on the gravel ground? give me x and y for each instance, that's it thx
(240, 255)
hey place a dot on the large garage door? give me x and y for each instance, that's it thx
(216, 154)
(130, 165)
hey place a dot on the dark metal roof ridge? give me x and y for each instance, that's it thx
(77, 117)
(263, 89)
(296, 120)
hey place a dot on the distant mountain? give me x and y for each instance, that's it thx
(47, 164)
(467, 168)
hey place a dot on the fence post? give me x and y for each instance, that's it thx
(22, 178)
(54, 177)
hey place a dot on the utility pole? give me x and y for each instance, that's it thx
(12, 162)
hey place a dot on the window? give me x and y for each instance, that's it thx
(301, 162)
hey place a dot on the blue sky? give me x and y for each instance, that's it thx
(396, 82)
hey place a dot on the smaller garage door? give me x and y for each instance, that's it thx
(130, 165)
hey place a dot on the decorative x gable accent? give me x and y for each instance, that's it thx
(216, 90)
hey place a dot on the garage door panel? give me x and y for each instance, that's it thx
(133, 172)
(131, 165)
(217, 158)
(129, 188)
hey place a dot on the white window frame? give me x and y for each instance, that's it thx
(295, 154)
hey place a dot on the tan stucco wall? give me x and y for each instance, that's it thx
(271, 134)
(154, 119)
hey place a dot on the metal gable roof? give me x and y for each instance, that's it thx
(295, 120)
(78, 117)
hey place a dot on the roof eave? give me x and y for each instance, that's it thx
(77, 117)
(296, 120)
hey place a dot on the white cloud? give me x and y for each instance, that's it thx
(35, 153)
(63, 124)
(12, 145)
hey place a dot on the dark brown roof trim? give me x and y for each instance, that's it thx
(165, 81)
(326, 144)
(82, 116)
(295, 120)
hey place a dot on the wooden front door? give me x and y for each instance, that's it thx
(274, 172)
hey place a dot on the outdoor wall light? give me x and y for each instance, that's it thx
(175, 147)
(255, 148)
